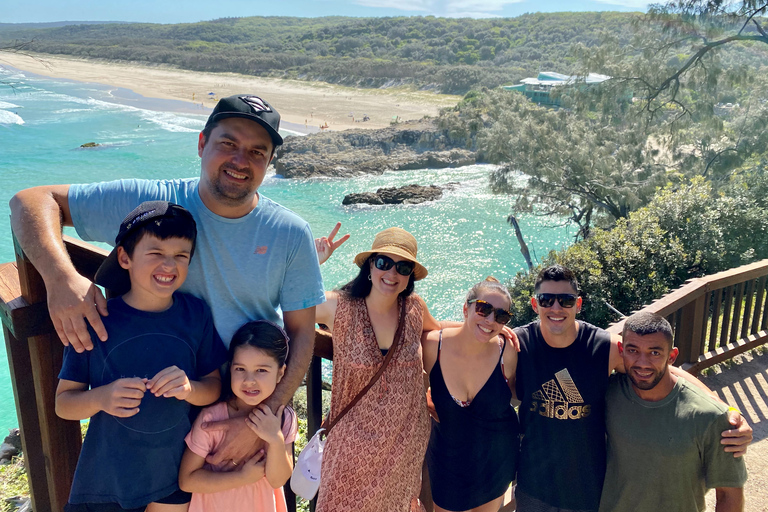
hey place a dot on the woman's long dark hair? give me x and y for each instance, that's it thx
(260, 334)
(360, 286)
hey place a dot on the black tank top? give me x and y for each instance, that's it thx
(562, 416)
(472, 452)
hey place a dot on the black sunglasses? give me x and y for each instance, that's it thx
(547, 300)
(384, 263)
(484, 309)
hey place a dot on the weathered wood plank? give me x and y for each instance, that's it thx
(738, 295)
(759, 304)
(59, 440)
(24, 397)
(736, 275)
(726, 352)
(716, 305)
(749, 292)
(726, 315)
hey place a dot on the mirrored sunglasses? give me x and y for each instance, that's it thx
(484, 309)
(384, 263)
(547, 300)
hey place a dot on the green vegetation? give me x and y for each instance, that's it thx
(663, 167)
(685, 231)
(451, 55)
(13, 484)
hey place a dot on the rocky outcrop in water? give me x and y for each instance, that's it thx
(409, 194)
(406, 146)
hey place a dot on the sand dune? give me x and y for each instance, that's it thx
(310, 103)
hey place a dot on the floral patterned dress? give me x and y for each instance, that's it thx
(373, 457)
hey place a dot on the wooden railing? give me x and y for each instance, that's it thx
(716, 317)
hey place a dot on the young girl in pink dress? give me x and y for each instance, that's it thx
(257, 356)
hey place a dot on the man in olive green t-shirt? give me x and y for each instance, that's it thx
(663, 434)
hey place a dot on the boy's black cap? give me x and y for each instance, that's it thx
(249, 107)
(110, 274)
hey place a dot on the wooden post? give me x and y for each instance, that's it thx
(29, 422)
(58, 441)
(691, 330)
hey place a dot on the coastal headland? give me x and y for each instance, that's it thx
(307, 105)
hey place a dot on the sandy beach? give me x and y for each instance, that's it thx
(303, 104)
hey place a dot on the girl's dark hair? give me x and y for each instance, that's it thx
(361, 285)
(260, 334)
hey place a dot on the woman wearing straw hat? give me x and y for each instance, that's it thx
(373, 456)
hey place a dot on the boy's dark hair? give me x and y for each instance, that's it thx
(161, 219)
(645, 323)
(361, 285)
(261, 334)
(163, 228)
(556, 273)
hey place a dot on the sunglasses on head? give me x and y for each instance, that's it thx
(384, 263)
(484, 309)
(547, 300)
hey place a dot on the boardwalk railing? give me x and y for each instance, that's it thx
(716, 317)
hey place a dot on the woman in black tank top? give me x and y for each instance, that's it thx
(472, 453)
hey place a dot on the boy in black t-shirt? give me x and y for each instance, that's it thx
(162, 357)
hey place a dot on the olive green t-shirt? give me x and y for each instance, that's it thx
(663, 456)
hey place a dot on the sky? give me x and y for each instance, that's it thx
(187, 11)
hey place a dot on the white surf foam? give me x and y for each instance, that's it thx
(10, 118)
(5, 105)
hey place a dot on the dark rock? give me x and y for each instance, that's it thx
(406, 146)
(11, 446)
(362, 198)
(90, 145)
(409, 194)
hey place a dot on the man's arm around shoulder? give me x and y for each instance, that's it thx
(37, 217)
(241, 443)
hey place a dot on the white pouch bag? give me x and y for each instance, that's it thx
(305, 480)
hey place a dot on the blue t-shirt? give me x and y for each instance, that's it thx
(135, 461)
(245, 269)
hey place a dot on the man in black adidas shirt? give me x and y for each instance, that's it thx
(562, 375)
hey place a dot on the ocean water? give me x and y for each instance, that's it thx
(462, 237)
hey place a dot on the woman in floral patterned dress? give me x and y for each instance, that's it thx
(373, 457)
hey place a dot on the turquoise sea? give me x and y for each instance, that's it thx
(462, 237)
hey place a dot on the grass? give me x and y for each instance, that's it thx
(13, 484)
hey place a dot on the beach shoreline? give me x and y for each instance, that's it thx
(304, 106)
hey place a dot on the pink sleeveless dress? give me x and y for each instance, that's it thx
(373, 457)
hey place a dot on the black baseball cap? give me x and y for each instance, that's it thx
(248, 107)
(110, 274)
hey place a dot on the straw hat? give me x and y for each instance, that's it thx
(395, 241)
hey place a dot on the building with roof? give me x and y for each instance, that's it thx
(539, 89)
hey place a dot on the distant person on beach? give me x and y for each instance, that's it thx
(664, 434)
(562, 376)
(373, 457)
(253, 255)
(472, 453)
(256, 365)
(162, 356)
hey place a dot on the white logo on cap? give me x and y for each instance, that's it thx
(256, 103)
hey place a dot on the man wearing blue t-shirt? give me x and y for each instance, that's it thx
(254, 256)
